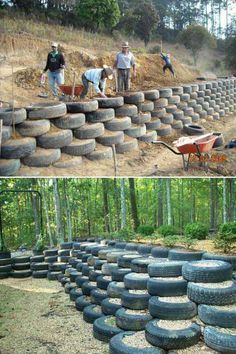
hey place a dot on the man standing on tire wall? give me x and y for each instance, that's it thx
(123, 63)
(55, 67)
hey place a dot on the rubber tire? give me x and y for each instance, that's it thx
(21, 274)
(171, 311)
(164, 130)
(119, 274)
(46, 110)
(135, 301)
(84, 106)
(97, 297)
(81, 303)
(42, 157)
(222, 342)
(31, 128)
(89, 131)
(110, 102)
(158, 287)
(111, 138)
(9, 167)
(136, 130)
(80, 147)
(127, 111)
(50, 252)
(104, 332)
(192, 129)
(9, 117)
(89, 315)
(160, 252)
(5, 261)
(129, 144)
(117, 346)
(118, 124)
(135, 282)
(134, 97)
(55, 140)
(39, 266)
(70, 121)
(132, 322)
(20, 266)
(169, 339)
(115, 289)
(195, 273)
(141, 118)
(21, 259)
(181, 255)
(212, 296)
(141, 265)
(229, 259)
(101, 115)
(219, 317)
(102, 283)
(168, 269)
(6, 133)
(151, 95)
(39, 274)
(75, 293)
(109, 308)
(19, 148)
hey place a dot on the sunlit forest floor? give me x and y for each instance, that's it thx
(38, 317)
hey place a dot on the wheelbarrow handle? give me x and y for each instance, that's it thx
(166, 145)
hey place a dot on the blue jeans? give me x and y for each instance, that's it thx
(55, 78)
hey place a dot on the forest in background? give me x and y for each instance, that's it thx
(73, 208)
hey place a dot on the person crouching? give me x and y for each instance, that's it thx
(98, 78)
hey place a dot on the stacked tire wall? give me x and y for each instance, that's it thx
(61, 134)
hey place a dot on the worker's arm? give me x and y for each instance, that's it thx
(47, 65)
(62, 62)
(97, 89)
(134, 66)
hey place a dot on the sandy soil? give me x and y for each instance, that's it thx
(153, 160)
(37, 317)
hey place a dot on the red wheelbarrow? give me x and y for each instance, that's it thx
(71, 90)
(197, 146)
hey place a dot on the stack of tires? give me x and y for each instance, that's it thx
(5, 265)
(39, 267)
(210, 286)
(21, 267)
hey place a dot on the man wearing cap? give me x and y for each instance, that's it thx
(55, 67)
(123, 63)
(167, 63)
(98, 78)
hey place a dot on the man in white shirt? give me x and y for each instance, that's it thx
(123, 63)
(98, 78)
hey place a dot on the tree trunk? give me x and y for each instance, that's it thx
(60, 237)
(231, 182)
(123, 204)
(225, 216)
(133, 203)
(168, 200)
(34, 201)
(106, 205)
(160, 203)
(68, 212)
(45, 205)
(213, 203)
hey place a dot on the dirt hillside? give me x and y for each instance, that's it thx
(25, 56)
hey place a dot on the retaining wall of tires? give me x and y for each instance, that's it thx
(89, 128)
(165, 299)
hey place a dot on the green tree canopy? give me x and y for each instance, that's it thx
(98, 14)
(146, 20)
(195, 37)
(231, 54)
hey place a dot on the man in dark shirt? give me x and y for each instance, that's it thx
(55, 67)
(167, 63)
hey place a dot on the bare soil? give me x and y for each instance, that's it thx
(37, 317)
